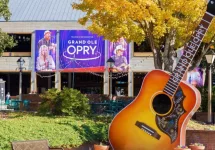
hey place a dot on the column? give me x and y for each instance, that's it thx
(58, 80)
(130, 72)
(130, 83)
(106, 82)
(33, 82)
(106, 73)
(57, 73)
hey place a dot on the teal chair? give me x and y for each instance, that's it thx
(26, 104)
(112, 108)
(14, 105)
(7, 102)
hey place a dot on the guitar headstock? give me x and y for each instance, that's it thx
(211, 7)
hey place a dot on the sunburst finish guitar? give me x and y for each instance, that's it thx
(157, 118)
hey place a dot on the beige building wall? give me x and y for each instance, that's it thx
(9, 64)
(29, 27)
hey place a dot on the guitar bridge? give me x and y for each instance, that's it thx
(147, 129)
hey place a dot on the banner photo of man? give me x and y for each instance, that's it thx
(119, 52)
(45, 50)
(81, 51)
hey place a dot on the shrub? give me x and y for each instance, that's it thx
(49, 102)
(74, 102)
(66, 102)
(94, 132)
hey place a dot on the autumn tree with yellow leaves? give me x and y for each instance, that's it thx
(159, 22)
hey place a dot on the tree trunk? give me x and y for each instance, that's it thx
(168, 57)
(156, 52)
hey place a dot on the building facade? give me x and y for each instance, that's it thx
(28, 18)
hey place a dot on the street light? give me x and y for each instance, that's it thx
(210, 59)
(20, 63)
(110, 63)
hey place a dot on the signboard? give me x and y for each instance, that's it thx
(119, 52)
(81, 51)
(45, 50)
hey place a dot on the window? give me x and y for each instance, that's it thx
(138, 79)
(143, 47)
(23, 43)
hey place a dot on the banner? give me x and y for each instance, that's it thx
(81, 51)
(195, 77)
(119, 52)
(45, 50)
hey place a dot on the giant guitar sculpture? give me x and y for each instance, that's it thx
(157, 118)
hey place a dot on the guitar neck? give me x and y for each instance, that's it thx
(189, 52)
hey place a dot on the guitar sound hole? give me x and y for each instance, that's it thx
(162, 104)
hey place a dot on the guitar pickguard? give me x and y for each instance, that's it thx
(169, 124)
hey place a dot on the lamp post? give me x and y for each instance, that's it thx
(20, 63)
(210, 60)
(110, 63)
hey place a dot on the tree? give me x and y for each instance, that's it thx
(167, 23)
(6, 41)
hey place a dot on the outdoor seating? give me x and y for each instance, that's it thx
(99, 107)
(109, 106)
(114, 107)
(32, 145)
(26, 104)
(14, 104)
(7, 102)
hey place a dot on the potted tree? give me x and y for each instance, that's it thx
(100, 146)
(196, 146)
(182, 147)
(100, 136)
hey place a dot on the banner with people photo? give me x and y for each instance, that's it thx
(45, 50)
(195, 77)
(81, 51)
(119, 52)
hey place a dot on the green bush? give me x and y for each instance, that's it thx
(73, 102)
(50, 101)
(66, 102)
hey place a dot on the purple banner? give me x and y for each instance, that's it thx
(81, 51)
(45, 50)
(195, 77)
(119, 52)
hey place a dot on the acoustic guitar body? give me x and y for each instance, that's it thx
(154, 120)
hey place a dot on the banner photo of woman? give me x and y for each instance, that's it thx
(45, 50)
(195, 77)
(119, 52)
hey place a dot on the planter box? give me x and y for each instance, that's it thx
(194, 147)
(100, 147)
(206, 137)
(203, 116)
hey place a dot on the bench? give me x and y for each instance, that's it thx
(32, 145)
